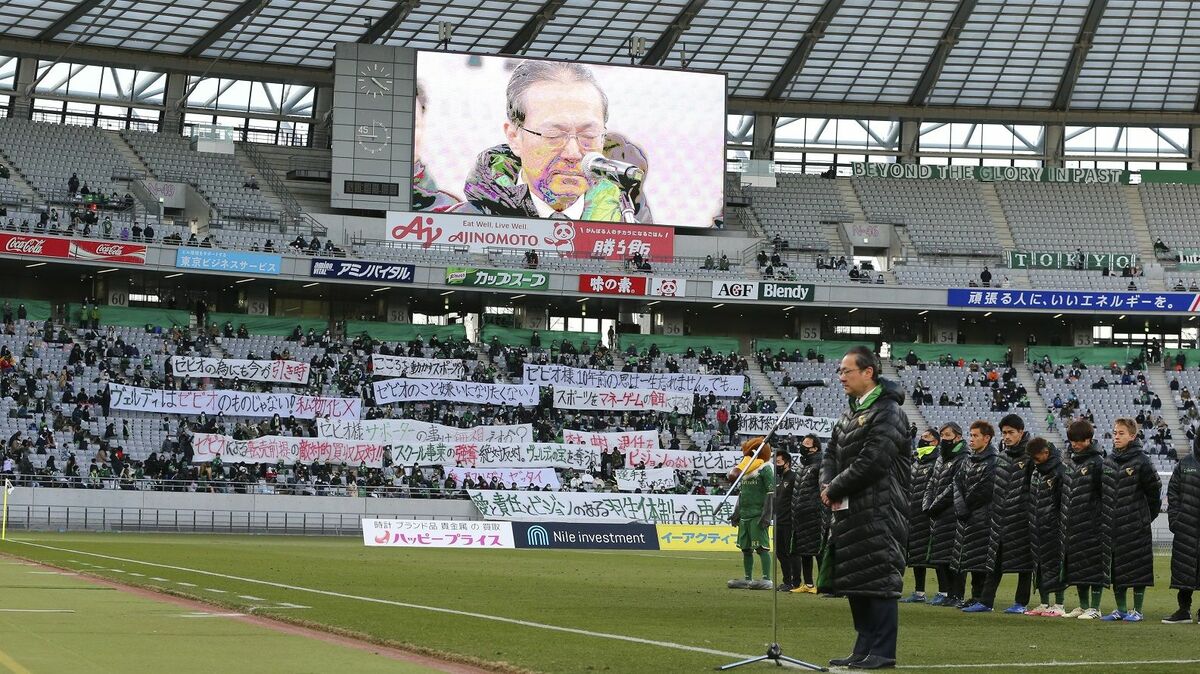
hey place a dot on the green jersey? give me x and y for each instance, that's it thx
(754, 492)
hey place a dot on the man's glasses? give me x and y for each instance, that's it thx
(843, 370)
(587, 140)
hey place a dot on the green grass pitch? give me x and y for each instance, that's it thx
(540, 610)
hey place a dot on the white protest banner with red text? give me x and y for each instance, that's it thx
(417, 368)
(498, 455)
(401, 390)
(288, 450)
(437, 534)
(562, 506)
(607, 442)
(793, 424)
(281, 371)
(682, 459)
(395, 431)
(523, 478)
(622, 400)
(724, 386)
(576, 240)
(232, 403)
(650, 479)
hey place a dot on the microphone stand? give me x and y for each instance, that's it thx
(774, 651)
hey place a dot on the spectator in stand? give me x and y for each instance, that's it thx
(1160, 247)
(709, 263)
(723, 263)
(137, 231)
(985, 277)
(252, 183)
(269, 246)
(148, 233)
(73, 184)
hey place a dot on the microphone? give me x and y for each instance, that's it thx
(622, 172)
(809, 383)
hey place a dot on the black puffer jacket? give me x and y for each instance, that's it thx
(1134, 502)
(785, 487)
(868, 463)
(974, 489)
(1183, 515)
(1087, 554)
(1011, 508)
(810, 515)
(1045, 522)
(918, 522)
(939, 505)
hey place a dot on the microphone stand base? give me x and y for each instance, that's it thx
(775, 655)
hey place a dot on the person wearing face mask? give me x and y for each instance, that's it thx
(785, 486)
(1133, 503)
(1086, 544)
(974, 489)
(919, 528)
(1183, 518)
(938, 505)
(809, 515)
(1045, 535)
(1010, 526)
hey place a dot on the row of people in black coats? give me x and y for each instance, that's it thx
(1056, 519)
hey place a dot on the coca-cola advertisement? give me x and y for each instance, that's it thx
(109, 251)
(42, 246)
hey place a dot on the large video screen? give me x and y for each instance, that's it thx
(535, 138)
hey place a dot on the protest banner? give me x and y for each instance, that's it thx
(723, 386)
(523, 478)
(607, 442)
(232, 403)
(436, 534)
(598, 507)
(394, 431)
(622, 400)
(417, 368)
(647, 480)
(682, 459)
(498, 455)
(401, 390)
(288, 450)
(793, 424)
(281, 371)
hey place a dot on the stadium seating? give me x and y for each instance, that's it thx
(943, 217)
(1066, 217)
(47, 154)
(1171, 213)
(796, 208)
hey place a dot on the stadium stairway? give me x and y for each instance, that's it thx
(996, 212)
(1037, 404)
(252, 169)
(18, 181)
(759, 381)
(1137, 216)
(910, 410)
(1156, 376)
(126, 151)
(853, 205)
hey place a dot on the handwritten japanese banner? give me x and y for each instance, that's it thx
(682, 459)
(523, 478)
(794, 424)
(395, 431)
(282, 371)
(620, 400)
(1067, 300)
(724, 386)
(400, 390)
(436, 534)
(650, 479)
(607, 442)
(596, 507)
(498, 455)
(289, 450)
(417, 368)
(233, 403)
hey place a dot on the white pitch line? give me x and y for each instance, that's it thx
(36, 610)
(401, 604)
(211, 589)
(211, 615)
(161, 580)
(53, 573)
(139, 575)
(251, 597)
(179, 582)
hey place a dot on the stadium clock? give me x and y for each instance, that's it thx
(374, 80)
(373, 137)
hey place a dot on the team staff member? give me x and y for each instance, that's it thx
(785, 523)
(918, 521)
(1133, 503)
(810, 516)
(865, 481)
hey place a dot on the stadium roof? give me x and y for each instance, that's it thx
(1044, 55)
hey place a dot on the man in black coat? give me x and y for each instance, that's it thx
(1045, 531)
(864, 479)
(918, 522)
(785, 525)
(1087, 556)
(974, 488)
(1183, 518)
(810, 517)
(1133, 503)
(939, 506)
(1010, 521)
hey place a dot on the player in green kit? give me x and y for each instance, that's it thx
(752, 514)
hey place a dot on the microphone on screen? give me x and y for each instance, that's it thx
(625, 174)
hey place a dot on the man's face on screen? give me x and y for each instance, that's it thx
(551, 167)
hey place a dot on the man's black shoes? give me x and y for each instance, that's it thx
(874, 662)
(848, 660)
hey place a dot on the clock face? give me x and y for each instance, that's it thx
(374, 80)
(373, 137)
